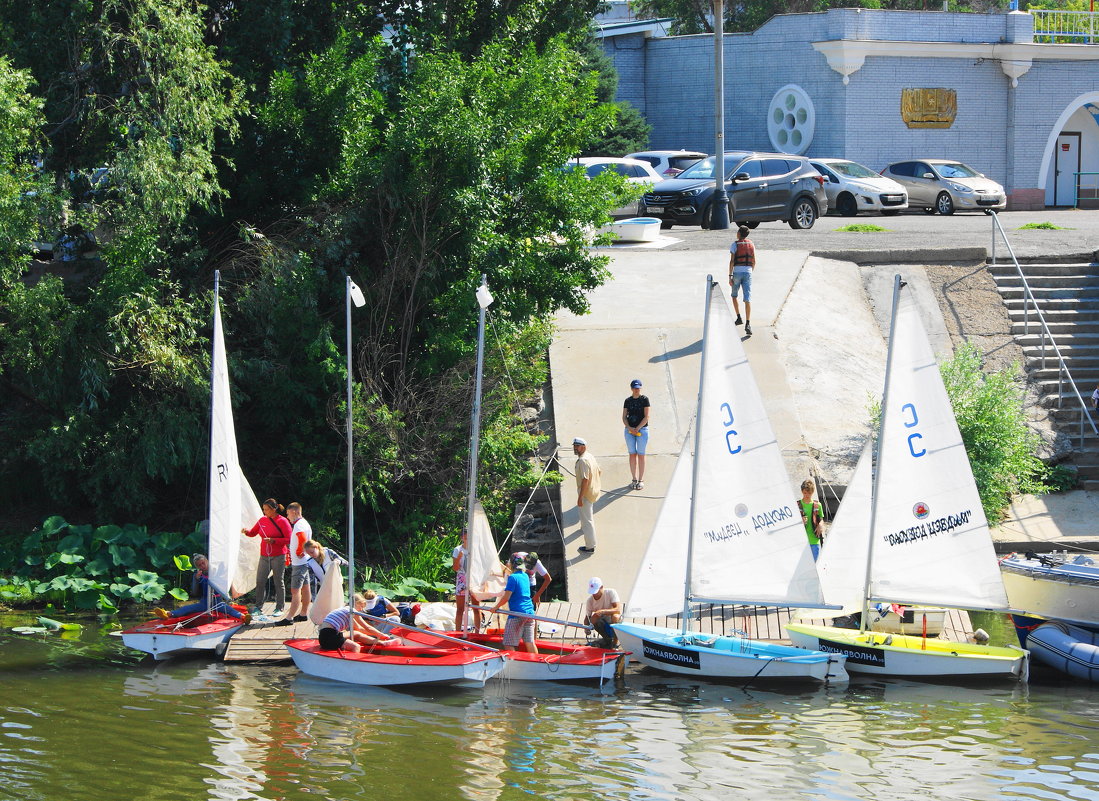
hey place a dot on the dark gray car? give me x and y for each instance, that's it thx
(762, 187)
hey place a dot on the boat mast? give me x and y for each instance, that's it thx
(897, 284)
(686, 616)
(484, 300)
(352, 294)
(210, 465)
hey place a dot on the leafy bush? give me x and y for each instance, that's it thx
(95, 567)
(993, 424)
(861, 228)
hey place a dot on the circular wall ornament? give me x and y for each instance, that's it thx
(791, 120)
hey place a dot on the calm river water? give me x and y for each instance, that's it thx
(85, 719)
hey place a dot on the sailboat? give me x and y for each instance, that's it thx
(728, 531)
(433, 658)
(233, 557)
(914, 532)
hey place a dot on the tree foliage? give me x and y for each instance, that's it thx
(287, 144)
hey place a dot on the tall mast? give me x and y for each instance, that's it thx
(484, 300)
(897, 284)
(210, 465)
(694, 465)
(352, 294)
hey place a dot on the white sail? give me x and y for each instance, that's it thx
(330, 595)
(931, 540)
(484, 573)
(229, 511)
(244, 578)
(842, 563)
(658, 588)
(749, 544)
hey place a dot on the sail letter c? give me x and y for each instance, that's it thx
(912, 410)
(912, 445)
(731, 434)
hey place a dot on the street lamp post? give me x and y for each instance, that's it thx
(719, 217)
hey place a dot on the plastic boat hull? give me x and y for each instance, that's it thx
(164, 639)
(555, 661)
(696, 654)
(1062, 592)
(909, 656)
(398, 665)
(1069, 649)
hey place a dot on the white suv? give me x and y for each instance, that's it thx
(633, 170)
(669, 163)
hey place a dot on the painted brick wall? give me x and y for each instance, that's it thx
(1000, 131)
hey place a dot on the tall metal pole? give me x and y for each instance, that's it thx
(876, 491)
(686, 618)
(484, 298)
(719, 217)
(350, 460)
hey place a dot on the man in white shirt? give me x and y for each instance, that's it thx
(603, 608)
(300, 593)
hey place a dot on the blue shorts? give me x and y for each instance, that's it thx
(635, 443)
(744, 280)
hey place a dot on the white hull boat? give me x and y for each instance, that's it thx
(727, 531)
(911, 529)
(692, 654)
(164, 639)
(232, 556)
(1054, 585)
(399, 665)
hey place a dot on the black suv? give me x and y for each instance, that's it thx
(762, 187)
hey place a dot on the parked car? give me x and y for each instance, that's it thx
(669, 163)
(944, 185)
(633, 170)
(762, 187)
(852, 187)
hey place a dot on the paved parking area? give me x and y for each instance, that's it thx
(910, 235)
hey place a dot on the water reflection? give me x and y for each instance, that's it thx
(96, 725)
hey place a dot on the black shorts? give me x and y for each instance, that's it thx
(330, 639)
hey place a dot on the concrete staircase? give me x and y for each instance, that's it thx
(1068, 295)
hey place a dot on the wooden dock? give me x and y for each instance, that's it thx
(259, 642)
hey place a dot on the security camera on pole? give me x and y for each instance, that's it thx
(719, 218)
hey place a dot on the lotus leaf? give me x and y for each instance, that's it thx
(49, 623)
(53, 525)
(178, 594)
(99, 566)
(143, 576)
(106, 605)
(148, 591)
(108, 534)
(183, 562)
(122, 555)
(30, 630)
(72, 543)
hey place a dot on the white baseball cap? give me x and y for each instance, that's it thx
(595, 585)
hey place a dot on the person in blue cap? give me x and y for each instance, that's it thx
(635, 417)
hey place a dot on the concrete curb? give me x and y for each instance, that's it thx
(923, 256)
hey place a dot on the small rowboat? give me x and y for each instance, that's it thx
(1053, 585)
(1066, 648)
(396, 665)
(167, 638)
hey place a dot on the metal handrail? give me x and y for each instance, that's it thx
(1058, 26)
(1062, 370)
(1077, 187)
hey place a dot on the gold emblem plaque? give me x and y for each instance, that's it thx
(929, 108)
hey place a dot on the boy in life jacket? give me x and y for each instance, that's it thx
(742, 261)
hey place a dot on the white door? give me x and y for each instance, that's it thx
(1066, 163)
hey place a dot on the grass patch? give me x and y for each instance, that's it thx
(1042, 226)
(861, 228)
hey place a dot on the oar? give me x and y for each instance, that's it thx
(432, 633)
(525, 616)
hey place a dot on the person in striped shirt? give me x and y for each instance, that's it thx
(342, 630)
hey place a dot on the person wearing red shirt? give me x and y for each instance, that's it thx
(274, 532)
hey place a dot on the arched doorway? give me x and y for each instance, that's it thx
(1072, 147)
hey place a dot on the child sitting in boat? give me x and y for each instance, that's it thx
(336, 631)
(201, 586)
(380, 606)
